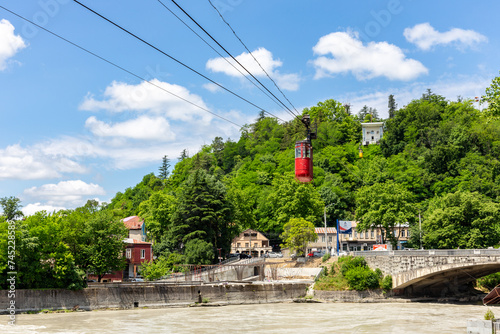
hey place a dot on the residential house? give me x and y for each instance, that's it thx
(251, 242)
(137, 251)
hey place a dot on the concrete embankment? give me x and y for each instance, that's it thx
(124, 296)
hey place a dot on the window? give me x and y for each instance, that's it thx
(128, 253)
(255, 244)
(322, 238)
(355, 234)
(403, 233)
(298, 153)
(143, 253)
(238, 244)
(373, 234)
(246, 244)
(330, 239)
(307, 153)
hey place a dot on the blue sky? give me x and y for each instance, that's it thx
(73, 127)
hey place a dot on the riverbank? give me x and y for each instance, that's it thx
(310, 318)
(162, 295)
(154, 295)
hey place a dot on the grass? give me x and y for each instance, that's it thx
(333, 281)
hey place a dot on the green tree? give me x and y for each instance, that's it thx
(164, 168)
(297, 233)
(198, 251)
(492, 96)
(203, 212)
(392, 105)
(289, 199)
(461, 219)
(11, 207)
(385, 206)
(104, 245)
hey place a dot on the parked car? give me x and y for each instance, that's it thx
(137, 279)
(319, 253)
(343, 253)
(310, 254)
(245, 256)
(273, 255)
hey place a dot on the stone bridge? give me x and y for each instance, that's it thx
(434, 272)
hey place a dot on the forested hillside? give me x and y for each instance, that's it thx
(438, 158)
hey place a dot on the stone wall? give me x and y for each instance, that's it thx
(126, 296)
(352, 296)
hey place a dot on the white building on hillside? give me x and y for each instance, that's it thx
(372, 132)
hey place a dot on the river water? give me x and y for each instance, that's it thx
(259, 318)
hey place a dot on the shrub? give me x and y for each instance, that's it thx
(489, 315)
(489, 282)
(362, 278)
(326, 257)
(349, 262)
(379, 273)
(387, 282)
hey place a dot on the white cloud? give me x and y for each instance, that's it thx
(266, 60)
(425, 37)
(31, 163)
(10, 43)
(143, 127)
(211, 87)
(375, 59)
(151, 97)
(32, 208)
(71, 193)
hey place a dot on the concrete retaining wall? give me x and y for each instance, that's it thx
(352, 296)
(149, 295)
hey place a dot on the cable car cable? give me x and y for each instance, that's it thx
(250, 52)
(173, 58)
(237, 69)
(119, 67)
(206, 32)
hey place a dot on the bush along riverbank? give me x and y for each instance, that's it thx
(352, 273)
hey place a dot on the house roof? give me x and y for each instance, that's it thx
(133, 222)
(321, 230)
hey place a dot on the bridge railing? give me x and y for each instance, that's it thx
(430, 252)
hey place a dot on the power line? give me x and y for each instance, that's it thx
(237, 69)
(209, 35)
(250, 52)
(173, 58)
(119, 67)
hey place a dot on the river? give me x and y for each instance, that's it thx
(259, 318)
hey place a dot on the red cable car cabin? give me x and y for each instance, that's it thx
(304, 161)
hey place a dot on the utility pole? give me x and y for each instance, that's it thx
(420, 228)
(326, 234)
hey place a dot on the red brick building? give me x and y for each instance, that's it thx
(137, 251)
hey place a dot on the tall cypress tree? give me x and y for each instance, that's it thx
(165, 165)
(204, 213)
(392, 106)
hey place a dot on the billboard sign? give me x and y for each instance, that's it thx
(380, 247)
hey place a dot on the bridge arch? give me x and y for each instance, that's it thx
(434, 272)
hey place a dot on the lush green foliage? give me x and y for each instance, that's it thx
(352, 273)
(437, 157)
(461, 220)
(487, 283)
(11, 207)
(386, 283)
(297, 233)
